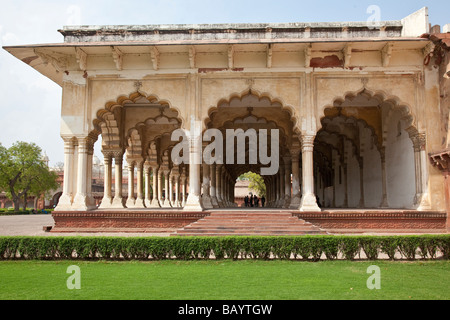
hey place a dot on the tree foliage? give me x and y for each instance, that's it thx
(256, 183)
(23, 173)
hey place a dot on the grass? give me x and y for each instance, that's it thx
(224, 280)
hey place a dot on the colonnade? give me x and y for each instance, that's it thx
(192, 187)
(153, 184)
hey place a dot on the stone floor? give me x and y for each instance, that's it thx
(33, 225)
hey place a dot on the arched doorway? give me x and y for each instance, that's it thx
(258, 134)
(367, 155)
(138, 129)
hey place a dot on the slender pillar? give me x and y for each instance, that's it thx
(107, 195)
(361, 182)
(171, 200)
(308, 201)
(421, 199)
(65, 201)
(130, 199)
(193, 202)
(287, 181)
(295, 199)
(147, 183)
(117, 200)
(156, 179)
(81, 201)
(219, 184)
(140, 201)
(183, 189)
(177, 191)
(384, 201)
(166, 202)
(206, 195)
(160, 199)
(282, 185)
(213, 187)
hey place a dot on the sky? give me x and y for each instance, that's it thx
(30, 104)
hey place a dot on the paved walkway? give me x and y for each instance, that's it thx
(32, 225)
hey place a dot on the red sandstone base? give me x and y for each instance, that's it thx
(385, 221)
(123, 221)
(333, 221)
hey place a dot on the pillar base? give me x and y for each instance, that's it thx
(214, 202)
(287, 202)
(422, 202)
(117, 203)
(166, 204)
(82, 203)
(106, 203)
(309, 203)
(64, 203)
(206, 202)
(139, 203)
(130, 202)
(295, 202)
(154, 204)
(193, 203)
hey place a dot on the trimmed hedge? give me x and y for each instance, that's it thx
(312, 248)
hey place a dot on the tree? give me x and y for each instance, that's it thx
(256, 182)
(24, 173)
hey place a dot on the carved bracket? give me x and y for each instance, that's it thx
(386, 53)
(118, 57)
(155, 57)
(81, 58)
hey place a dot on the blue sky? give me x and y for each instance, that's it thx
(30, 103)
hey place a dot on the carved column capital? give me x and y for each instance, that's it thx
(308, 143)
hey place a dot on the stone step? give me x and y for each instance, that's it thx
(270, 222)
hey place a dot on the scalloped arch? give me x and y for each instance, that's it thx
(380, 95)
(260, 95)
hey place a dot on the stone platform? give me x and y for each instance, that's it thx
(251, 221)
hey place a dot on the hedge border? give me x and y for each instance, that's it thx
(310, 248)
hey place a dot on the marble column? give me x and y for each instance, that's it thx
(156, 181)
(107, 195)
(177, 191)
(213, 186)
(130, 199)
(147, 185)
(282, 185)
(166, 202)
(160, 193)
(219, 185)
(118, 195)
(206, 194)
(308, 200)
(193, 202)
(384, 200)
(140, 201)
(287, 181)
(361, 182)
(421, 199)
(296, 196)
(183, 190)
(81, 201)
(65, 201)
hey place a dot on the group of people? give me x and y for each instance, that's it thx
(253, 201)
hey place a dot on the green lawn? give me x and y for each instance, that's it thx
(224, 280)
